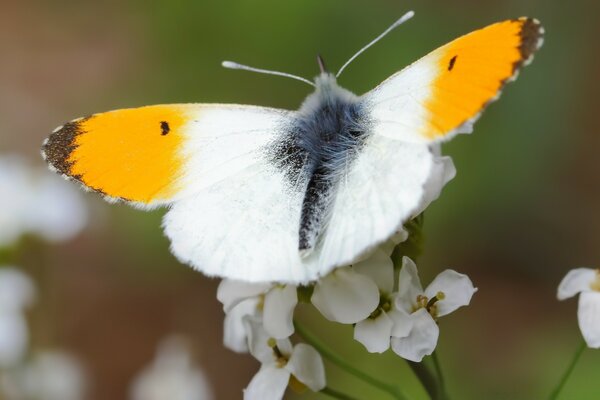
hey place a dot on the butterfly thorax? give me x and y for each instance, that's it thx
(324, 140)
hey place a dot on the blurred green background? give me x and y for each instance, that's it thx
(523, 209)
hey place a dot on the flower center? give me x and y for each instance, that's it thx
(280, 359)
(385, 305)
(430, 305)
(595, 285)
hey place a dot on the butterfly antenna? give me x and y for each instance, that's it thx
(234, 65)
(396, 24)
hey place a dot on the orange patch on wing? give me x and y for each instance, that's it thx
(133, 154)
(473, 69)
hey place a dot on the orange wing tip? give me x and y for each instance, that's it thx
(131, 155)
(529, 38)
(57, 149)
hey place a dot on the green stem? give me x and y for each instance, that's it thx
(568, 372)
(440, 376)
(427, 379)
(335, 394)
(329, 354)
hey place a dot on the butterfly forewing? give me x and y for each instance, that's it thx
(445, 92)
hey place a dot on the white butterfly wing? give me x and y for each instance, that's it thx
(240, 215)
(390, 182)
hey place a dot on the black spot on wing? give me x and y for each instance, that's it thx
(164, 128)
(451, 63)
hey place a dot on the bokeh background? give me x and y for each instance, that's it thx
(522, 211)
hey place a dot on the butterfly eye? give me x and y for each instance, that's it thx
(164, 128)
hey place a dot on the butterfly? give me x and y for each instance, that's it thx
(264, 194)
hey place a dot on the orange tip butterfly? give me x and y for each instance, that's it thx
(263, 194)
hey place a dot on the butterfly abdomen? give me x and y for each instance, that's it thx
(328, 134)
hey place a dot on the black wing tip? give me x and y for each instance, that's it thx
(532, 37)
(57, 148)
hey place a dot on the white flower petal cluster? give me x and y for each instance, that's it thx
(274, 304)
(53, 375)
(34, 201)
(16, 294)
(586, 282)
(280, 362)
(402, 316)
(447, 292)
(259, 320)
(171, 375)
(405, 319)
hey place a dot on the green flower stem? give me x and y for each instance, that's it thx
(428, 379)
(569, 370)
(335, 394)
(329, 354)
(440, 376)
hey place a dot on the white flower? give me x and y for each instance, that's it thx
(280, 361)
(14, 338)
(34, 201)
(587, 282)
(276, 304)
(374, 332)
(16, 293)
(172, 375)
(53, 375)
(345, 296)
(448, 291)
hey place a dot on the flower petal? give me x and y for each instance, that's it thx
(269, 383)
(457, 288)
(14, 338)
(374, 333)
(380, 268)
(409, 285)
(403, 322)
(258, 340)
(17, 291)
(345, 296)
(577, 280)
(588, 315)
(235, 336)
(422, 338)
(278, 311)
(307, 366)
(230, 292)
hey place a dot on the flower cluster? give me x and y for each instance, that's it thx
(41, 375)
(401, 315)
(35, 202)
(16, 294)
(171, 375)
